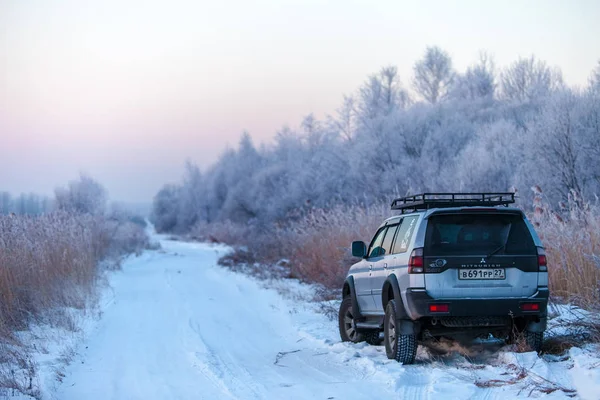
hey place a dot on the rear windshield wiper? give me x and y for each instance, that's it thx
(495, 251)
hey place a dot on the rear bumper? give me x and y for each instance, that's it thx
(418, 301)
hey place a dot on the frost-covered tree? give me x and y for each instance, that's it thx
(394, 96)
(589, 123)
(434, 75)
(492, 160)
(594, 80)
(529, 79)
(345, 123)
(165, 208)
(559, 146)
(478, 81)
(227, 184)
(381, 95)
(85, 196)
(530, 130)
(193, 201)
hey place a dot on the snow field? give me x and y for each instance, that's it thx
(180, 327)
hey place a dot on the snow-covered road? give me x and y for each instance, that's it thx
(181, 327)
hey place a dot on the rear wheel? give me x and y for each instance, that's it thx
(399, 347)
(534, 340)
(347, 324)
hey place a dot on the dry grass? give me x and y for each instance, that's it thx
(571, 236)
(49, 264)
(46, 262)
(519, 375)
(253, 243)
(570, 326)
(222, 232)
(318, 246)
(314, 248)
(529, 381)
(17, 373)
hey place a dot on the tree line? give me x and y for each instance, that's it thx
(482, 129)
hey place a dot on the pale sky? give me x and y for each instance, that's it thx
(126, 91)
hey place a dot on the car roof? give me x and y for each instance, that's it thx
(450, 210)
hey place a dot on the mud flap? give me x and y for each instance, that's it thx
(408, 327)
(355, 308)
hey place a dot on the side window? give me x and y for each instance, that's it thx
(375, 249)
(407, 228)
(387, 240)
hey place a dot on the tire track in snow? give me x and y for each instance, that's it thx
(413, 384)
(203, 360)
(221, 372)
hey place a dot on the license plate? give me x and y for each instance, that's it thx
(480, 273)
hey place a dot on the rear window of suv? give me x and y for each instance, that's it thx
(466, 234)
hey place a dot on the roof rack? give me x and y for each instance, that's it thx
(426, 201)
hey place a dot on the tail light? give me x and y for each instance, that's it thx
(443, 308)
(415, 262)
(542, 262)
(530, 306)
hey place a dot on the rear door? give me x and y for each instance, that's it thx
(479, 255)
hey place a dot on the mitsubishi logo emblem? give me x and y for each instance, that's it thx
(482, 261)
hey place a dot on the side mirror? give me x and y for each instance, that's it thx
(359, 249)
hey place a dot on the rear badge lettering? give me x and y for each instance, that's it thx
(480, 266)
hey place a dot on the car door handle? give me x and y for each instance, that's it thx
(370, 267)
(385, 265)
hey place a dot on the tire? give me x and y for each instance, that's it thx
(348, 332)
(399, 347)
(534, 340)
(373, 338)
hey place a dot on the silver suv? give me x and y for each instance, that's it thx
(451, 264)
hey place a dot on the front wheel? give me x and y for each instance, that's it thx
(399, 347)
(348, 331)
